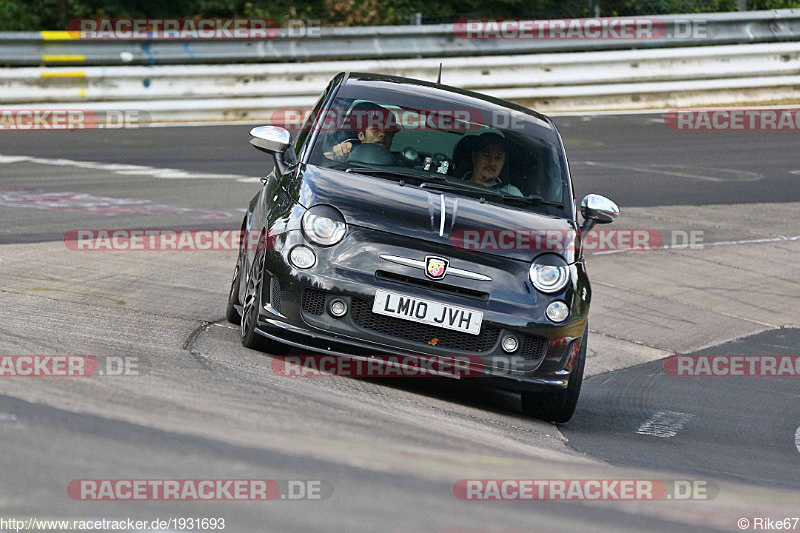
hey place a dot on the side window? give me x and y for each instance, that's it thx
(301, 145)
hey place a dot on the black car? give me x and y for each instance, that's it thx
(420, 219)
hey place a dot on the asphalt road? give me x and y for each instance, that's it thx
(738, 428)
(633, 159)
(205, 407)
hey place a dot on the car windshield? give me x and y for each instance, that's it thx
(463, 145)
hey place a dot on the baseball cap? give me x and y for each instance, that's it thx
(369, 114)
(488, 139)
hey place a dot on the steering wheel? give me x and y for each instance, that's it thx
(371, 154)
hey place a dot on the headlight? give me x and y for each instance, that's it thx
(549, 278)
(324, 225)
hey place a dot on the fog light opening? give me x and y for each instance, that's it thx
(302, 257)
(337, 307)
(510, 344)
(557, 311)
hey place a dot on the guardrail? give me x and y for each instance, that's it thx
(383, 42)
(644, 78)
(506, 74)
(585, 81)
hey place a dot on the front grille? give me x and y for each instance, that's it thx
(533, 347)
(314, 301)
(275, 294)
(434, 286)
(423, 333)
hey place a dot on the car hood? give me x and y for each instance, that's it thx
(385, 205)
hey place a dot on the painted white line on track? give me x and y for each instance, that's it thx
(661, 111)
(664, 424)
(195, 123)
(127, 170)
(797, 439)
(704, 244)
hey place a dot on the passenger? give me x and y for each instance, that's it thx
(376, 125)
(488, 160)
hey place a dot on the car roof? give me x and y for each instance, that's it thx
(411, 85)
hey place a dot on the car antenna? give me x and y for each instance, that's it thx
(439, 79)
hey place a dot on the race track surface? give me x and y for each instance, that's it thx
(201, 406)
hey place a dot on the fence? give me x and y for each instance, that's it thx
(765, 71)
(380, 42)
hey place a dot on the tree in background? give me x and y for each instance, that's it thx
(31, 15)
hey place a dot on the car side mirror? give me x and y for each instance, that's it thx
(597, 209)
(277, 142)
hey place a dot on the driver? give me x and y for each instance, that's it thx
(375, 124)
(488, 160)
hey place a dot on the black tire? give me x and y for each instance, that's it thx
(252, 303)
(558, 406)
(231, 313)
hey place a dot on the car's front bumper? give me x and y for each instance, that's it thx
(294, 308)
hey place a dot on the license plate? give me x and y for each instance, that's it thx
(428, 312)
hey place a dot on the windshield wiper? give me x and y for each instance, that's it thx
(402, 173)
(482, 192)
(533, 199)
(440, 182)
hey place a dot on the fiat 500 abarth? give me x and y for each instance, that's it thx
(419, 219)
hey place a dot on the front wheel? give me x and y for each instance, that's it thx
(558, 406)
(231, 313)
(252, 301)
